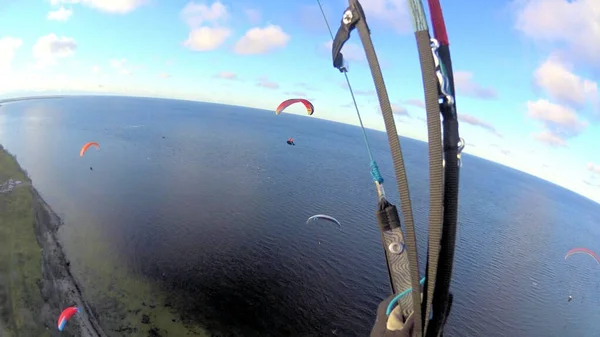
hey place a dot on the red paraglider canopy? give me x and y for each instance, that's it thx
(583, 251)
(65, 316)
(308, 105)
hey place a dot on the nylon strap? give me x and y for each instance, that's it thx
(436, 174)
(401, 264)
(398, 160)
(442, 298)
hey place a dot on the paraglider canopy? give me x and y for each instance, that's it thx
(308, 105)
(86, 146)
(290, 141)
(65, 316)
(583, 251)
(324, 217)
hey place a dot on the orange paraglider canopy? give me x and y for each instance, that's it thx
(87, 146)
(308, 105)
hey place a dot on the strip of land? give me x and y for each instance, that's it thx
(35, 280)
(28, 98)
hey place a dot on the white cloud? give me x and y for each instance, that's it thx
(109, 6)
(296, 94)
(265, 83)
(96, 70)
(305, 86)
(8, 47)
(550, 138)
(466, 86)
(360, 92)
(61, 14)
(262, 40)
(207, 32)
(351, 51)
(392, 12)
(564, 86)
(121, 66)
(558, 115)
(50, 48)
(469, 119)
(560, 122)
(195, 15)
(419, 103)
(573, 24)
(227, 75)
(207, 38)
(593, 168)
(399, 110)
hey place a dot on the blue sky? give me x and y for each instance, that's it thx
(526, 71)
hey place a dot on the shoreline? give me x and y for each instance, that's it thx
(28, 98)
(57, 288)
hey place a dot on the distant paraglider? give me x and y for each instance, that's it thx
(583, 251)
(310, 109)
(65, 316)
(86, 146)
(324, 217)
(308, 105)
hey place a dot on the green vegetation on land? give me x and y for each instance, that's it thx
(20, 257)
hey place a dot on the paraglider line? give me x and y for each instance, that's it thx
(398, 297)
(362, 127)
(374, 168)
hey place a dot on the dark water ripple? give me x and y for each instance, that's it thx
(208, 204)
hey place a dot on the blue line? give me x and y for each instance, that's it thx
(398, 297)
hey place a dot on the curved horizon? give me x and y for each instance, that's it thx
(527, 92)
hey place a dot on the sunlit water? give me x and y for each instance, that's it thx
(207, 204)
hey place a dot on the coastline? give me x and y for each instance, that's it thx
(25, 311)
(27, 98)
(59, 288)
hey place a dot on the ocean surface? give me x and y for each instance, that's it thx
(202, 207)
